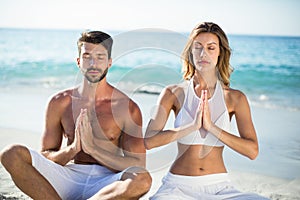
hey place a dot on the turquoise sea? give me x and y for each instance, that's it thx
(267, 68)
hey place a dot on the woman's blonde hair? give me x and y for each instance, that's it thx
(223, 67)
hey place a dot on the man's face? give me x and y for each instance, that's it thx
(93, 62)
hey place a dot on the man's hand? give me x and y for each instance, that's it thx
(85, 132)
(76, 145)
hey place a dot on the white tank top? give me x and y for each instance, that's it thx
(218, 112)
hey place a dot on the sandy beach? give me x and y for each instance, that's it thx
(272, 187)
(261, 176)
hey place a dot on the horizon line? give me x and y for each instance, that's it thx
(117, 31)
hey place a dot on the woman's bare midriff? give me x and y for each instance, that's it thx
(198, 160)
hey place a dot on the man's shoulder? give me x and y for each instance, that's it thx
(118, 94)
(124, 99)
(62, 96)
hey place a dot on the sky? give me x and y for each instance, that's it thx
(250, 17)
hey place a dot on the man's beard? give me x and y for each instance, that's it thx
(95, 80)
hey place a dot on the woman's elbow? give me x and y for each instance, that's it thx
(150, 139)
(147, 144)
(254, 152)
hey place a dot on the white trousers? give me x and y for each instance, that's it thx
(208, 187)
(74, 181)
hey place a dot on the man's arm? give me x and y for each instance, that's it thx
(132, 141)
(53, 133)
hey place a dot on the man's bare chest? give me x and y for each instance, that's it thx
(106, 120)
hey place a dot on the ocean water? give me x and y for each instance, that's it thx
(267, 69)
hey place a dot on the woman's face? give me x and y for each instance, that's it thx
(205, 50)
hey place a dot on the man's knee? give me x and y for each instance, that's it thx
(145, 180)
(14, 155)
(140, 177)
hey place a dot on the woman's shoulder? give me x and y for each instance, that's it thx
(235, 93)
(176, 89)
(234, 96)
(173, 95)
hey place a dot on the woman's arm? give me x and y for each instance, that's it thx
(247, 143)
(155, 136)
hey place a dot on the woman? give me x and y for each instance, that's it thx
(203, 105)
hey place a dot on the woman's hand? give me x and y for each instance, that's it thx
(199, 114)
(207, 123)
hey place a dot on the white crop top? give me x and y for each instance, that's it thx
(218, 112)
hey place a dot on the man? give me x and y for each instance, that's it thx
(105, 154)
